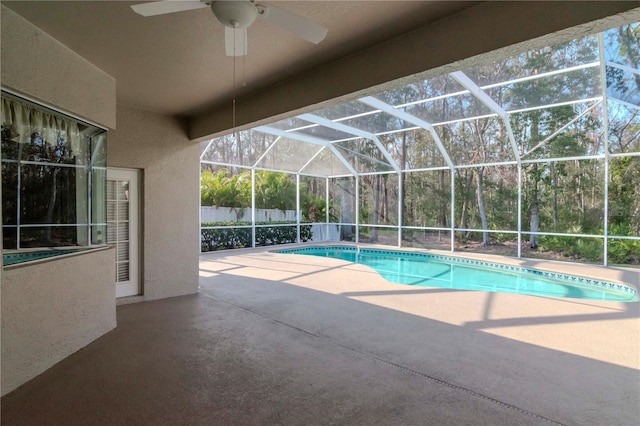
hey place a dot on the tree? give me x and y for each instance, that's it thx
(275, 190)
(225, 190)
(534, 127)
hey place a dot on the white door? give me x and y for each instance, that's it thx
(122, 228)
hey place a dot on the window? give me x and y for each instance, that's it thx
(53, 178)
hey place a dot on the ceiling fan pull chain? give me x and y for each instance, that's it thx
(244, 78)
(233, 114)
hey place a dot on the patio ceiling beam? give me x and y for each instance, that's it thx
(352, 131)
(308, 139)
(382, 106)
(482, 96)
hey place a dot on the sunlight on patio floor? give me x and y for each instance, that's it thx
(605, 331)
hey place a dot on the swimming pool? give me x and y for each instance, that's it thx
(431, 270)
(30, 256)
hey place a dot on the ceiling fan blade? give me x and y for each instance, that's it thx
(235, 41)
(296, 24)
(167, 6)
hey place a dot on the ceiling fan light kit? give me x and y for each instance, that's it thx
(237, 16)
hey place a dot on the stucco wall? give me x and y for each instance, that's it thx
(170, 166)
(35, 64)
(51, 310)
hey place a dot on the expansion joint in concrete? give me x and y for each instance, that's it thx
(389, 363)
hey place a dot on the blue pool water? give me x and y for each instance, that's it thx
(15, 258)
(429, 270)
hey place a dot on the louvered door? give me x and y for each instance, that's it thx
(122, 228)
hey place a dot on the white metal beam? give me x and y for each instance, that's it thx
(514, 81)
(561, 129)
(206, 149)
(266, 151)
(313, 157)
(384, 107)
(482, 96)
(623, 67)
(352, 131)
(629, 104)
(292, 135)
(309, 139)
(605, 125)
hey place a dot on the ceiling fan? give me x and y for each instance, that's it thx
(237, 16)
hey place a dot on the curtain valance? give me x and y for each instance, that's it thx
(28, 122)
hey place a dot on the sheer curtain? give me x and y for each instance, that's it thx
(47, 165)
(25, 121)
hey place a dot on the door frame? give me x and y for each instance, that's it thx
(133, 286)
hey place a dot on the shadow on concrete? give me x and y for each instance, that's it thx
(559, 385)
(250, 351)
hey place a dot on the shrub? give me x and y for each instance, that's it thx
(623, 252)
(589, 249)
(238, 234)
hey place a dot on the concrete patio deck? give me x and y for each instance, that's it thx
(274, 339)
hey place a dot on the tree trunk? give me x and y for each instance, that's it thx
(376, 206)
(533, 212)
(443, 207)
(626, 36)
(403, 193)
(385, 201)
(533, 237)
(465, 198)
(534, 218)
(580, 192)
(483, 215)
(345, 213)
(52, 204)
(554, 185)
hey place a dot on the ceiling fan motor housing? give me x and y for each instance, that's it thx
(235, 14)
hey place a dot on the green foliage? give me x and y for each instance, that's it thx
(233, 235)
(273, 190)
(313, 207)
(624, 252)
(224, 238)
(623, 192)
(223, 190)
(621, 251)
(589, 249)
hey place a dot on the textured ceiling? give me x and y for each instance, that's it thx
(175, 64)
